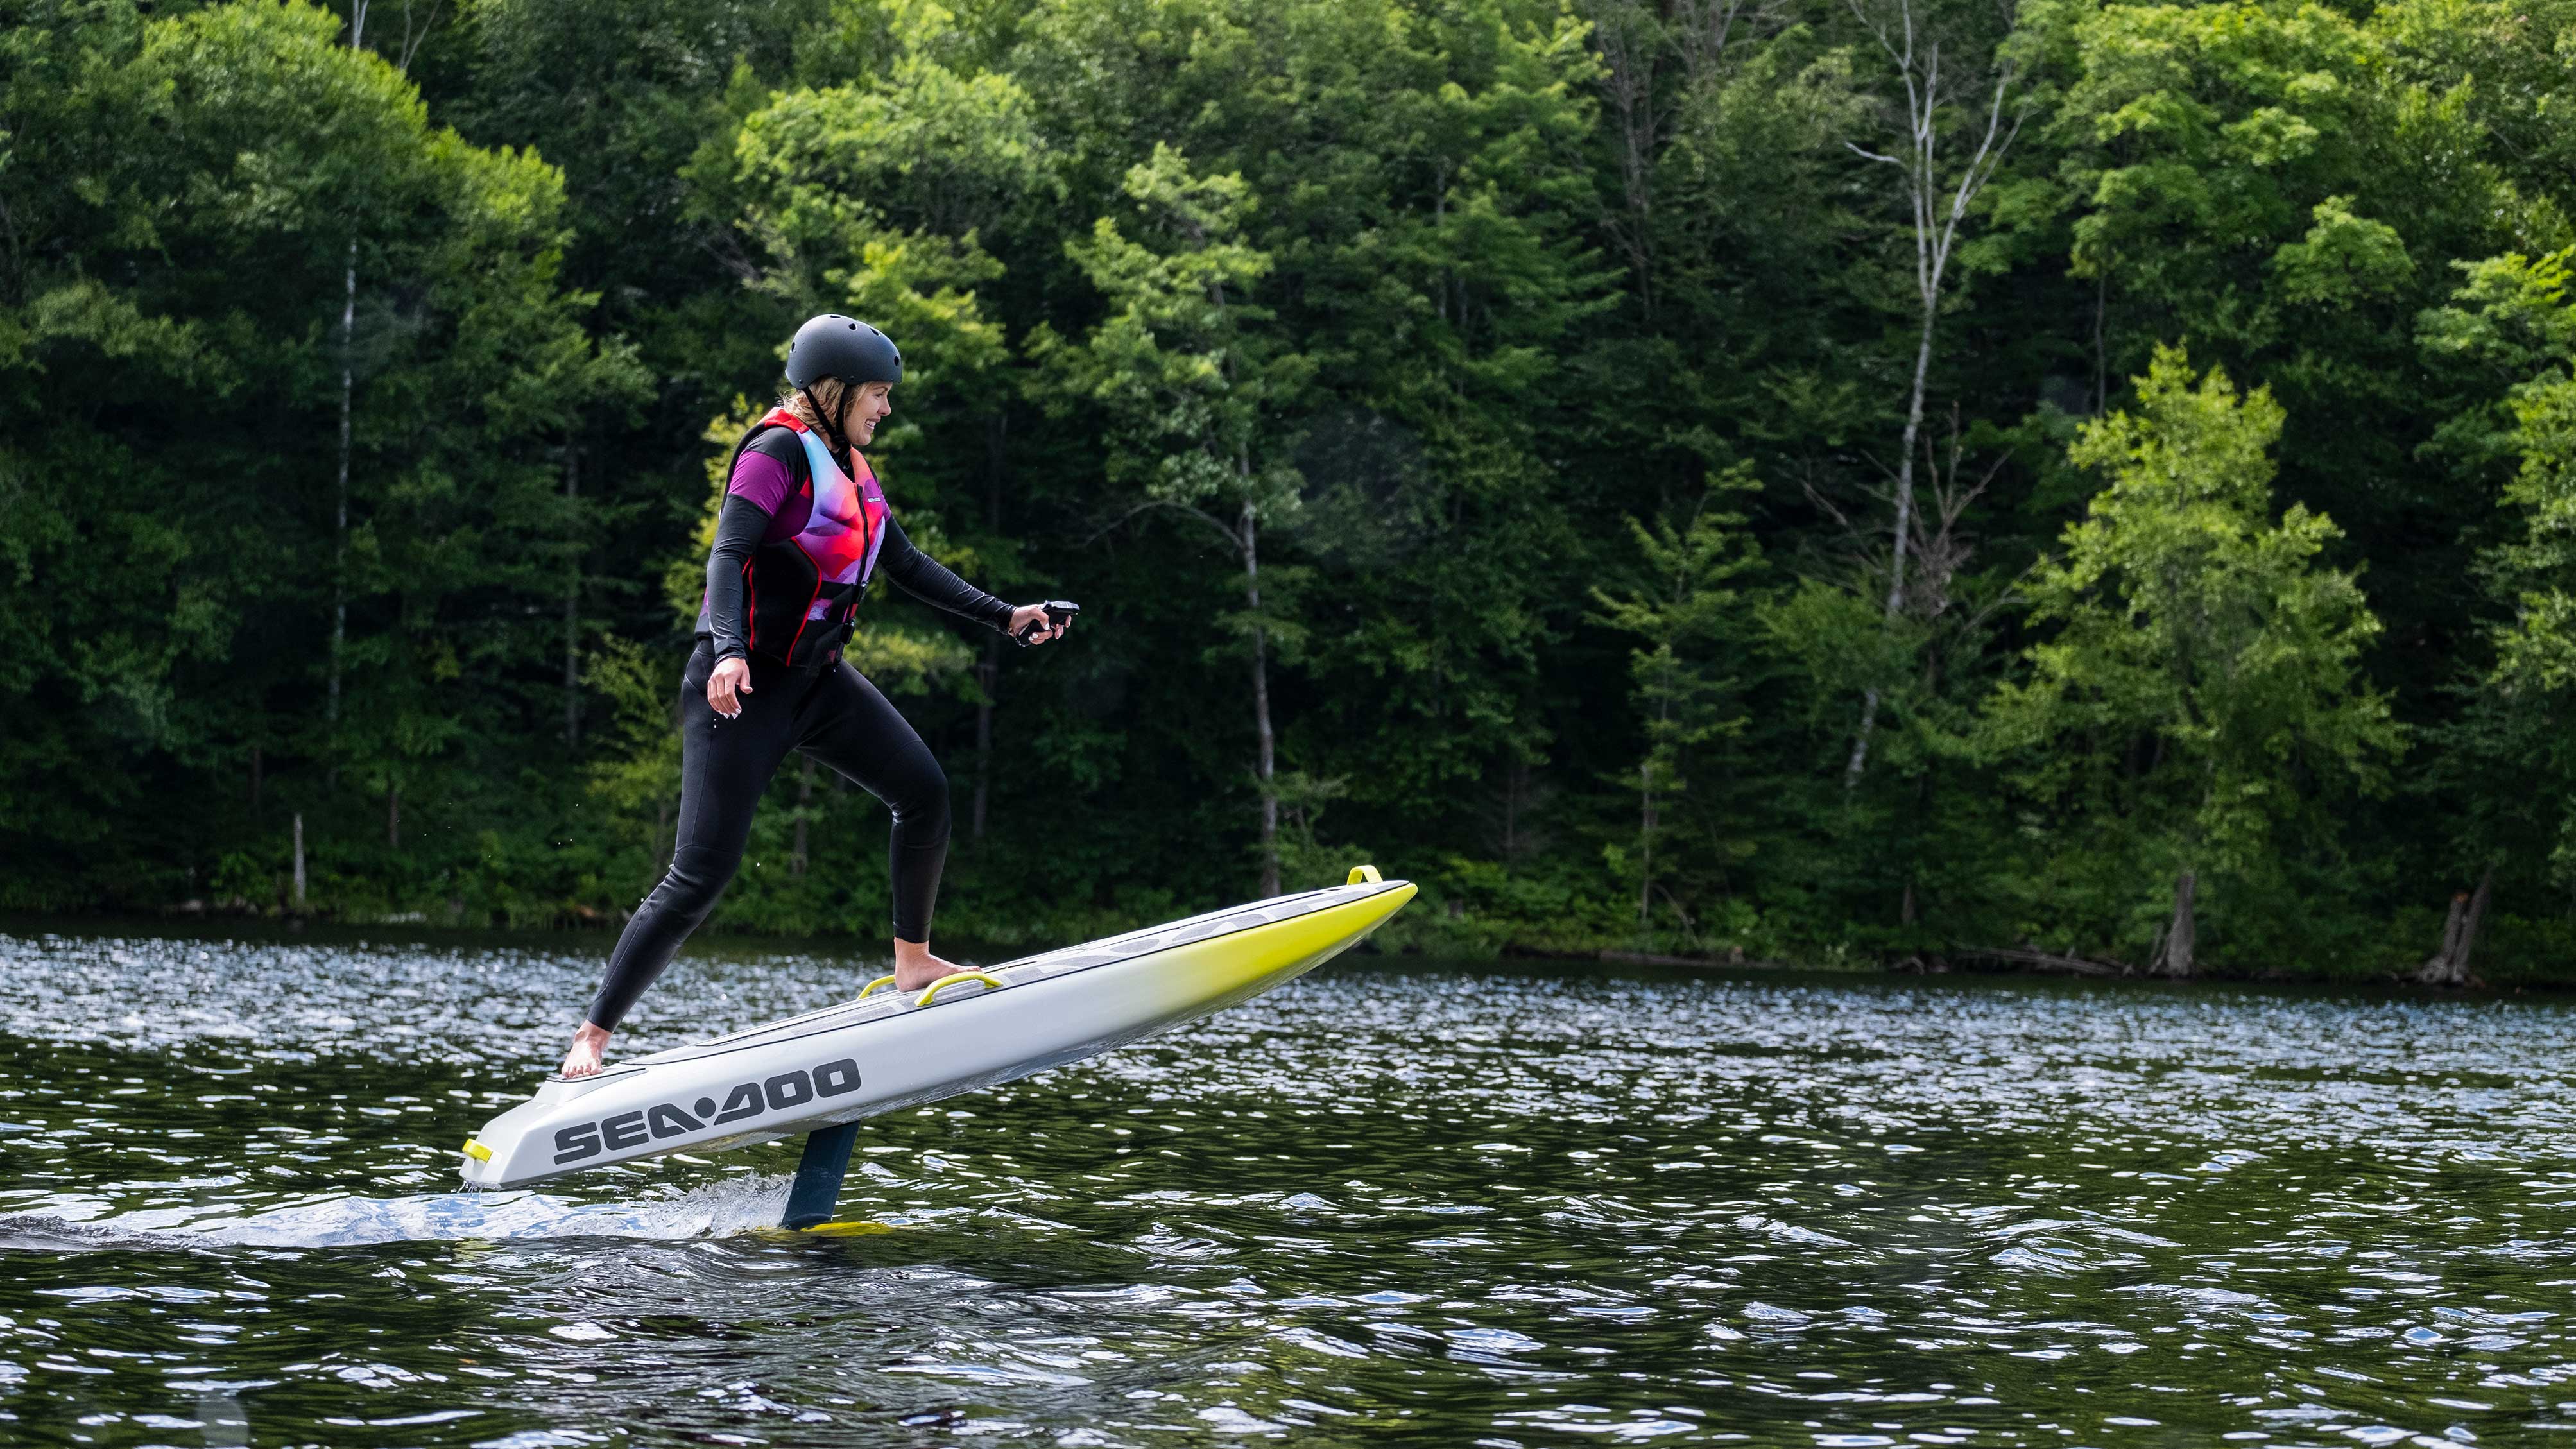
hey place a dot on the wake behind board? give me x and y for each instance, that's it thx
(821, 1071)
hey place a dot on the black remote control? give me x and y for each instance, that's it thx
(1060, 612)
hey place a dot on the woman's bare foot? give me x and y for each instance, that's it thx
(915, 967)
(588, 1045)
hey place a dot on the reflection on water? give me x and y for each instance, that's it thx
(1386, 1205)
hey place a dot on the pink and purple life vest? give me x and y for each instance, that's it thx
(802, 586)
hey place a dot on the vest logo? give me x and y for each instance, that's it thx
(744, 1101)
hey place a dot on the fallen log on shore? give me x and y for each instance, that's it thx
(2046, 961)
(1649, 958)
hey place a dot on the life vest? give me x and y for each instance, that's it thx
(788, 616)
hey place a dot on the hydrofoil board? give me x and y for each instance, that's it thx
(887, 1050)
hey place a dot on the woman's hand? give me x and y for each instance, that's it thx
(1027, 614)
(730, 675)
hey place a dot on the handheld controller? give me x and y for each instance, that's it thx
(1060, 612)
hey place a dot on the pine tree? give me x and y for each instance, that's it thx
(1687, 609)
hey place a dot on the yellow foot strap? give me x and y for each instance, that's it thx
(990, 980)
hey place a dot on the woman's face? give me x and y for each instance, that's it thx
(867, 407)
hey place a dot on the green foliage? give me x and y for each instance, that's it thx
(2201, 698)
(211, 192)
(1181, 368)
(1511, 388)
(1695, 631)
(872, 198)
(2516, 316)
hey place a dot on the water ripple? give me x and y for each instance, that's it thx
(1408, 1205)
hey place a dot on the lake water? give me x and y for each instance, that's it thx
(1390, 1204)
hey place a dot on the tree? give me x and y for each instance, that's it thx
(1694, 624)
(621, 96)
(2274, 186)
(1197, 390)
(184, 226)
(2202, 692)
(877, 197)
(2508, 755)
(1938, 194)
(1404, 310)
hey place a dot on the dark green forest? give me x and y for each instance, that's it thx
(1919, 483)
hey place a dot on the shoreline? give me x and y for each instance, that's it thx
(1964, 964)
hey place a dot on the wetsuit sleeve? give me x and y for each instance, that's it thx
(926, 579)
(768, 470)
(739, 529)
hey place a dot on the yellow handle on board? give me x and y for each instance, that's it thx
(873, 985)
(995, 982)
(1365, 875)
(477, 1150)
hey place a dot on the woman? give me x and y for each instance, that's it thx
(803, 529)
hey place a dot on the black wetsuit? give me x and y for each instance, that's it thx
(820, 706)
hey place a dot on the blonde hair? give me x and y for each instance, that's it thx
(834, 396)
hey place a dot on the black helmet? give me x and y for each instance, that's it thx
(844, 347)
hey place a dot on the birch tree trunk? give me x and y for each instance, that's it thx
(804, 800)
(572, 606)
(340, 522)
(1645, 839)
(348, 394)
(1265, 760)
(654, 857)
(1629, 40)
(299, 860)
(988, 674)
(1936, 233)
